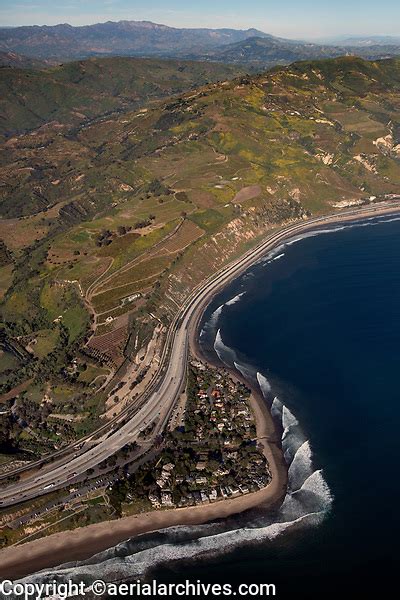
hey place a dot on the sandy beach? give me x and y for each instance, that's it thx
(84, 542)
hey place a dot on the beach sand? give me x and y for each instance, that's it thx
(82, 543)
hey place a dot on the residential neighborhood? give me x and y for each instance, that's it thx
(213, 455)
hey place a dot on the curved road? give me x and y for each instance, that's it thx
(158, 401)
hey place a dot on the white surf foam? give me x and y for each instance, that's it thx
(135, 565)
(211, 325)
(317, 485)
(306, 504)
(370, 222)
(246, 370)
(264, 384)
(277, 409)
(275, 253)
(215, 316)
(288, 419)
(224, 353)
(235, 299)
(301, 467)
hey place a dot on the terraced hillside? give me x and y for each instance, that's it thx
(109, 224)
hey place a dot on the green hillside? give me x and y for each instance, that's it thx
(110, 224)
(78, 91)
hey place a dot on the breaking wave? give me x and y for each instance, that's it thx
(278, 252)
(306, 504)
(235, 299)
(276, 408)
(245, 370)
(212, 323)
(308, 498)
(296, 447)
(274, 254)
(300, 466)
(264, 384)
(225, 354)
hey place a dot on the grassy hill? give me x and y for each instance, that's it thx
(78, 91)
(111, 223)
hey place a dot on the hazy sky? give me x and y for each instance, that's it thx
(291, 18)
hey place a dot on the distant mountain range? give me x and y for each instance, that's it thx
(362, 41)
(273, 50)
(130, 38)
(61, 43)
(268, 51)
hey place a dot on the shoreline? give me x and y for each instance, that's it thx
(82, 543)
(268, 434)
(85, 542)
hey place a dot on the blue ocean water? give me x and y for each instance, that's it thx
(320, 318)
(317, 325)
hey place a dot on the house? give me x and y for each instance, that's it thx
(213, 496)
(201, 465)
(201, 480)
(166, 498)
(155, 501)
(204, 497)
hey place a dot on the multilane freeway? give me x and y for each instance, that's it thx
(157, 402)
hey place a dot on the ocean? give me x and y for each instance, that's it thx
(316, 324)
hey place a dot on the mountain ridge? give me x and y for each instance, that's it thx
(123, 37)
(65, 42)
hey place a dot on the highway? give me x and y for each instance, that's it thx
(159, 399)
